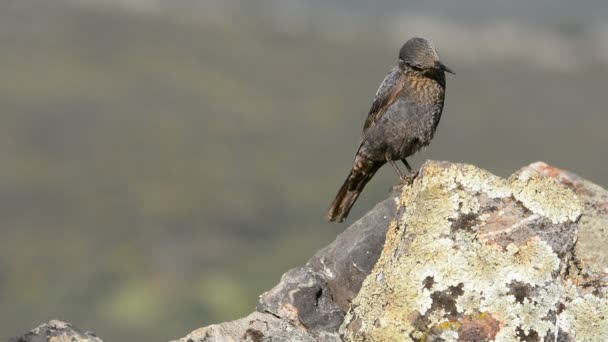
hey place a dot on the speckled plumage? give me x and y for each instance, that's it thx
(403, 118)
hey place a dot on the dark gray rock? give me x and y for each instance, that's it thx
(350, 258)
(317, 295)
(56, 331)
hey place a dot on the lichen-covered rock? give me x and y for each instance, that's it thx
(474, 257)
(56, 331)
(593, 225)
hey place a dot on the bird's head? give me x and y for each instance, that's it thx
(420, 54)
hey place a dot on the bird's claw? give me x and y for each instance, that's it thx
(405, 181)
(409, 179)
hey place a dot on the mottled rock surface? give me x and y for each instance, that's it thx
(474, 257)
(56, 331)
(592, 243)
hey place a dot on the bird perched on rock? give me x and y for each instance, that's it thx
(402, 119)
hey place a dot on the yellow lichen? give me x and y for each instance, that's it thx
(449, 325)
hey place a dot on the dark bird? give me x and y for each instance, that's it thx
(402, 119)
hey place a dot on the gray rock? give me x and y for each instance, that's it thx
(56, 331)
(317, 295)
(350, 258)
(257, 327)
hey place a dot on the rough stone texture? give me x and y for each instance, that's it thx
(474, 257)
(257, 327)
(593, 226)
(56, 331)
(317, 295)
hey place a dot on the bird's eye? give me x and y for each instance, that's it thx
(416, 67)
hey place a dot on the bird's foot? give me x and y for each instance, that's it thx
(409, 179)
(405, 181)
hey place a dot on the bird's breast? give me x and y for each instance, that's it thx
(423, 91)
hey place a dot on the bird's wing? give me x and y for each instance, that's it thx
(385, 96)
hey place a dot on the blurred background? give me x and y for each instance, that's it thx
(164, 162)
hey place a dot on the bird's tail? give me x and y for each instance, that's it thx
(360, 174)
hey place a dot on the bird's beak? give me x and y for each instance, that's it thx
(446, 69)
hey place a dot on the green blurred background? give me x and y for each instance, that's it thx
(164, 162)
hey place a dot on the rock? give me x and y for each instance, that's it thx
(317, 295)
(460, 255)
(257, 327)
(56, 331)
(474, 257)
(593, 225)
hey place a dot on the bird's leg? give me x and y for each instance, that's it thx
(407, 165)
(409, 179)
(392, 162)
(403, 180)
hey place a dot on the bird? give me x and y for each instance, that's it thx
(402, 119)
